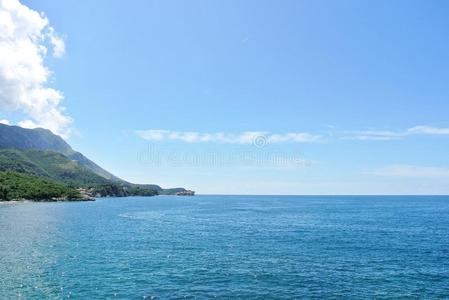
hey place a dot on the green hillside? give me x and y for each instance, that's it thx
(49, 165)
(15, 137)
(38, 139)
(41, 154)
(57, 168)
(15, 186)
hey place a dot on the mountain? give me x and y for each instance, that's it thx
(46, 156)
(38, 139)
(43, 139)
(59, 169)
(84, 161)
(49, 165)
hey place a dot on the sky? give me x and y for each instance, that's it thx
(238, 97)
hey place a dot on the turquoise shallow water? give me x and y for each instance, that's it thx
(227, 247)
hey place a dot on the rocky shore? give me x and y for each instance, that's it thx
(85, 195)
(61, 199)
(185, 193)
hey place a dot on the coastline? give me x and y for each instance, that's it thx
(49, 200)
(86, 198)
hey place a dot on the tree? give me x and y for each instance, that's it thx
(4, 193)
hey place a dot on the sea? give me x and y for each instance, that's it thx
(227, 247)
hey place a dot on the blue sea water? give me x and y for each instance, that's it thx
(226, 247)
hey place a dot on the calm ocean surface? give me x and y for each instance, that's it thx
(228, 247)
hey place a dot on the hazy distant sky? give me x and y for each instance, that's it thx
(255, 97)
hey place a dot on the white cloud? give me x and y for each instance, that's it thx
(25, 36)
(6, 122)
(247, 137)
(410, 171)
(429, 130)
(375, 135)
(263, 137)
(380, 135)
(293, 137)
(58, 45)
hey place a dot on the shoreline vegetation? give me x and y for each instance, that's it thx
(16, 186)
(37, 165)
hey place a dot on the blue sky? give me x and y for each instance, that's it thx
(351, 96)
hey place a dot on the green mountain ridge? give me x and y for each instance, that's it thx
(59, 169)
(46, 157)
(50, 165)
(38, 139)
(15, 137)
